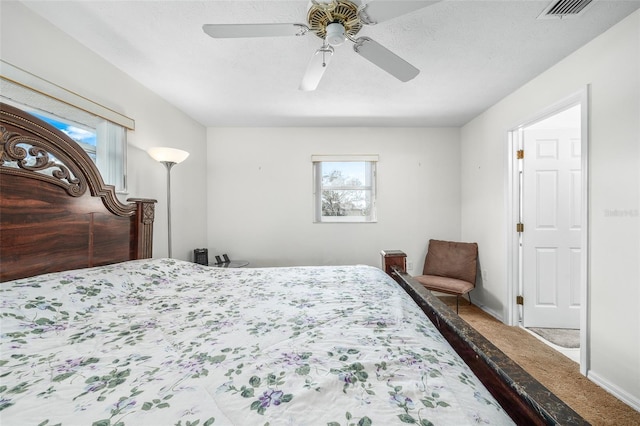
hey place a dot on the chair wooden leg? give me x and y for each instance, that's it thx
(457, 300)
(469, 294)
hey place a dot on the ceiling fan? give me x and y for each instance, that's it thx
(335, 22)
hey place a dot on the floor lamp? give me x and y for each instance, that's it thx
(169, 157)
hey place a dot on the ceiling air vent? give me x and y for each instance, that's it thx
(562, 9)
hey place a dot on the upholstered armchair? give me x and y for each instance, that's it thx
(450, 267)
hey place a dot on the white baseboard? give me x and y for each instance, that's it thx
(622, 395)
(490, 312)
(464, 299)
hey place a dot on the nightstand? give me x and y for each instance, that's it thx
(393, 258)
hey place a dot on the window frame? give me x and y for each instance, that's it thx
(370, 188)
(31, 92)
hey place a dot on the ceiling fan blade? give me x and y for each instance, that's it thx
(385, 59)
(316, 68)
(380, 11)
(254, 30)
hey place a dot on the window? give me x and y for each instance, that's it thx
(102, 133)
(344, 188)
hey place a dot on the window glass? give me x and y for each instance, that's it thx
(345, 191)
(82, 135)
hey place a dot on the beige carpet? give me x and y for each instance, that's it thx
(547, 365)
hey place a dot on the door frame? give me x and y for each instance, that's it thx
(514, 272)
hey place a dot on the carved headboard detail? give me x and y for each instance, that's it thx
(50, 222)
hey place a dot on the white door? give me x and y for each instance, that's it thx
(551, 214)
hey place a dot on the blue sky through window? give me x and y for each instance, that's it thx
(76, 133)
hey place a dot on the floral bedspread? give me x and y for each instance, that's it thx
(166, 342)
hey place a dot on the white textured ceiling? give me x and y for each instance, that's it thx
(471, 54)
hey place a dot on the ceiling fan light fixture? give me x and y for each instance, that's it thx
(333, 22)
(335, 34)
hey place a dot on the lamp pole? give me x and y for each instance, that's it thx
(169, 157)
(169, 165)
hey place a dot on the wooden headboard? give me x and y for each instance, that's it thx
(56, 212)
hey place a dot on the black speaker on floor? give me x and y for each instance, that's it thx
(201, 256)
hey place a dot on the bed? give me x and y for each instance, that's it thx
(56, 211)
(98, 333)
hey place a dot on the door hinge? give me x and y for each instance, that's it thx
(519, 227)
(519, 300)
(520, 154)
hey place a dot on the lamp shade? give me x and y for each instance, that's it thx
(168, 155)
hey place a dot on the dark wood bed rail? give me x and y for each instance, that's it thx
(525, 399)
(56, 212)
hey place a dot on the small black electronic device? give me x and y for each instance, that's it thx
(201, 256)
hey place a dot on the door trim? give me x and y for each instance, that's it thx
(513, 311)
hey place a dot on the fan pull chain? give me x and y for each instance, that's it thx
(326, 48)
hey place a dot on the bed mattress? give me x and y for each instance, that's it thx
(167, 342)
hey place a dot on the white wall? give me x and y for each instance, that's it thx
(31, 43)
(611, 66)
(260, 194)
